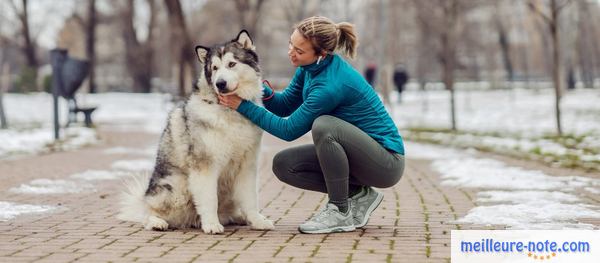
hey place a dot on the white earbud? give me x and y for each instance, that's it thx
(319, 60)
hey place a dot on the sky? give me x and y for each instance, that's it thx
(47, 17)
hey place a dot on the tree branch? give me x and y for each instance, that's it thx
(564, 4)
(534, 8)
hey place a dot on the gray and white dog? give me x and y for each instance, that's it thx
(206, 166)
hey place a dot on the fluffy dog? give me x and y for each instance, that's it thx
(206, 166)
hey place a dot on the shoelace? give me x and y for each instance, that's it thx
(322, 214)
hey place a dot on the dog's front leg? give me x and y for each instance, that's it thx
(246, 195)
(203, 186)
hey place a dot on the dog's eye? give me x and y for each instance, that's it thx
(231, 64)
(215, 68)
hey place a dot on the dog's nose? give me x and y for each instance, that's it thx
(221, 85)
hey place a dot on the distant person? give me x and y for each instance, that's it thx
(400, 79)
(370, 72)
(571, 79)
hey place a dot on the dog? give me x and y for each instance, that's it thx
(206, 166)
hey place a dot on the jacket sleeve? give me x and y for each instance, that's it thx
(284, 103)
(319, 101)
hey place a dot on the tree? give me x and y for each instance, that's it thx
(28, 47)
(444, 20)
(248, 13)
(503, 41)
(4, 83)
(182, 44)
(586, 43)
(551, 19)
(90, 43)
(139, 55)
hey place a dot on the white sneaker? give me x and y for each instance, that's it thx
(363, 204)
(329, 220)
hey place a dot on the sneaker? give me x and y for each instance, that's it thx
(329, 220)
(363, 204)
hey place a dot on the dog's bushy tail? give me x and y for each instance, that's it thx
(132, 204)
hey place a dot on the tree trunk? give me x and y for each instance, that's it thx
(554, 27)
(505, 48)
(5, 77)
(448, 75)
(139, 55)
(248, 13)
(183, 49)
(448, 54)
(28, 45)
(90, 44)
(585, 44)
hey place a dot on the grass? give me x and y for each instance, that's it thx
(576, 146)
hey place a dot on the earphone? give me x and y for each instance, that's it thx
(319, 60)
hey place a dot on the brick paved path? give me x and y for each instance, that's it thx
(412, 225)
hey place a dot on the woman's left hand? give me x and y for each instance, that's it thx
(232, 101)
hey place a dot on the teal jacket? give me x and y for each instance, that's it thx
(333, 87)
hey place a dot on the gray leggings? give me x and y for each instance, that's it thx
(342, 159)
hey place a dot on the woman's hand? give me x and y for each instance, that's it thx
(232, 101)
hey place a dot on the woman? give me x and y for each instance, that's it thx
(356, 144)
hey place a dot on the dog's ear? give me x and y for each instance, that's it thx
(201, 52)
(244, 39)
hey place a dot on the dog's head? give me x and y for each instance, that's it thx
(232, 67)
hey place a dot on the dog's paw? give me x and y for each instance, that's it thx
(156, 223)
(212, 228)
(262, 224)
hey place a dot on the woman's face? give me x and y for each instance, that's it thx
(300, 50)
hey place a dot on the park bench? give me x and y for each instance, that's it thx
(68, 74)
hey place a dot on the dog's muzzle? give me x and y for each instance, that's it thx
(222, 86)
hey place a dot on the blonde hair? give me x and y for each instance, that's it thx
(326, 35)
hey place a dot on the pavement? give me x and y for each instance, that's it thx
(412, 224)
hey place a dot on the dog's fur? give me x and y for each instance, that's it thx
(206, 166)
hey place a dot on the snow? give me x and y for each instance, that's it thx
(30, 119)
(148, 151)
(140, 165)
(522, 111)
(506, 119)
(95, 175)
(48, 186)
(10, 210)
(494, 174)
(516, 197)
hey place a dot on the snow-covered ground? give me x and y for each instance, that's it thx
(512, 196)
(30, 119)
(528, 112)
(517, 119)
(519, 122)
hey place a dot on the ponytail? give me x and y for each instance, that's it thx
(347, 41)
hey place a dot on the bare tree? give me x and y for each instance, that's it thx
(183, 48)
(586, 43)
(28, 47)
(551, 19)
(139, 54)
(4, 83)
(503, 40)
(295, 11)
(248, 13)
(90, 44)
(444, 18)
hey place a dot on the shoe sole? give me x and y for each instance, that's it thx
(329, 230)
(370, 210)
